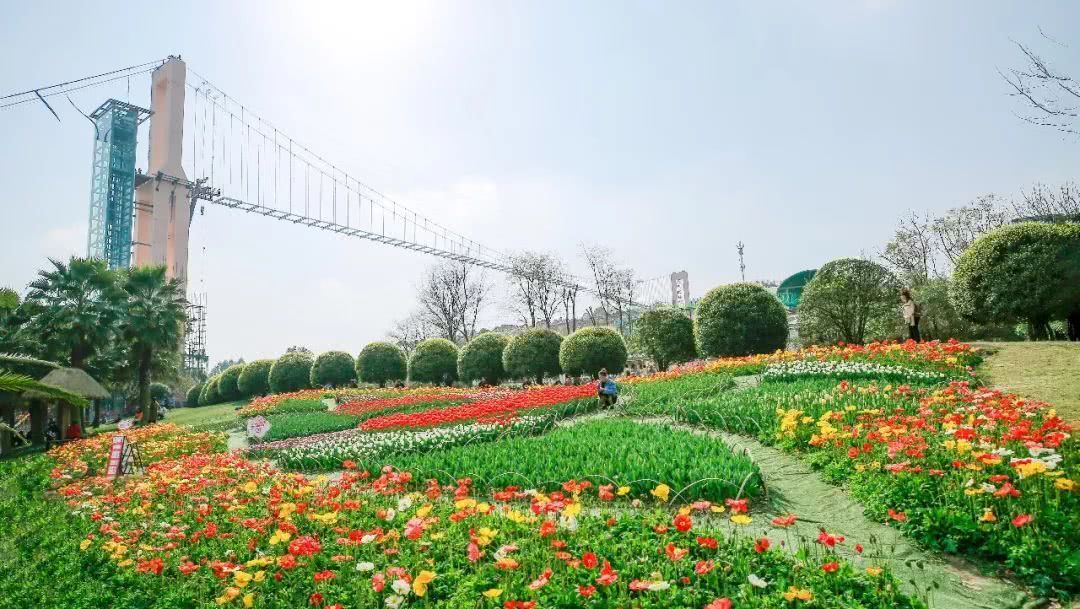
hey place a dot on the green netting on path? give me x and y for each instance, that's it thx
(794, 488)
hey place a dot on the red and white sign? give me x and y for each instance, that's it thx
(116, 453)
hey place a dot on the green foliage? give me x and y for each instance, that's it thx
(228, 383)
(160, 392)
(334, 368)
(153, 326)
(590, 349)
(380, 363)
(9, 300)
(434, 361)
(1026, 272)
(291, 372)
(850, 300)
(299, 424)
(533, 354)
(666, 335)
(224, 365)
(73, 310)
(740, 319)
(210, 393)
(608, 452)
(192, 398)
(255, 379)
(482, 358)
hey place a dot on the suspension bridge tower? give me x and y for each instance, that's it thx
(163, 197)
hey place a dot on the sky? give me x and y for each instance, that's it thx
(667, 131)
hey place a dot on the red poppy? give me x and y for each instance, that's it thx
(830, 567)
(720, 603)
(704, 566)
(1021, 520)
(784, 521)
(608, 575)
(315, 599)
(588, 559)
(761, 545)
(707, 542)
(586, 591)
(683, 523)
(897, 516)
(325, 575)
(304, 546)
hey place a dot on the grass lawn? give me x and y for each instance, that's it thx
(1048, 371)
(203, 415)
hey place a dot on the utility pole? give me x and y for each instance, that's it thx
(742, 265)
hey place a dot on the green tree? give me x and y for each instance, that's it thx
(850, 300)
(255, 379)
(434, 361)
(334, 368)
(160, 392)
(228, 383)
(291, 372)
(153, 326)
(192, 398)
(73, 310)
(533, 354)
(482, 359)
(381, 362)
(666, 335)
(224, 365)
(590, 349)
(740, 319)
(1027, 272)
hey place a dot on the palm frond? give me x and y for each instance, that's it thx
(19, 383)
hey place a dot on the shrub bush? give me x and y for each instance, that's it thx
(160, 392)
(533, 354)
(334, 368)
(740, 319)
(1026, 272)
(255, 379)
(434, 361)
(850, 300)
(590, 349)
(191, 400)
(210, 392)
(666, 335)
(482, 359)
(227, 383)
(380, 363)
(291, 372)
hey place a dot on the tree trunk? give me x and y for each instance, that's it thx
(149, 409)
(7, 416)
(97, 414)
(1072, 325)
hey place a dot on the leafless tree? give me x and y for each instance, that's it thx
(451, 297)
(1052, 97)
(535, 287)
(602, 266)
(912, 253)
(1046, 203)
(568, 294)
(959, 227)
(408, 332)
(625, 289)
(590, 312)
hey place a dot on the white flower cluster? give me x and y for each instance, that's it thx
(849, 370)
(330, 450)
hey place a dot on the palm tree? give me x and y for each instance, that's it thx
(153, 325)
(73, 309)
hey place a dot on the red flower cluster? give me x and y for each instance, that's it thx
(498, 408)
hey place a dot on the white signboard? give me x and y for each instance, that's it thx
(258, 426)
(125, 424)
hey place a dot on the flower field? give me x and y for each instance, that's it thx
(507, 498)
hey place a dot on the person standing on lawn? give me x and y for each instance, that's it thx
(911, 314)
(606, 389)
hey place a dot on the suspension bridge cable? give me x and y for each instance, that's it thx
(69, 89)
(40, 90)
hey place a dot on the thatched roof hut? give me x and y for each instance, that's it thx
(72, 380)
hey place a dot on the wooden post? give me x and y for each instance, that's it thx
(63, 417)
(39, 419)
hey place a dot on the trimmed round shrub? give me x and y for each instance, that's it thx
(434, 361)
(227, 384)
(291, 372)
(482, 358)
(590, 349)
(160, 392)
(334, 368)
(1027, 272)
(380, 363)
(850, 300)
(740, 319)
(666, 335)
(533, 354)
(210, 392)
(192, 398)
(255, 379)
